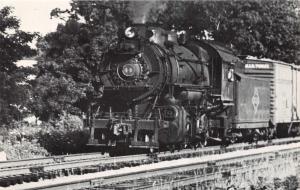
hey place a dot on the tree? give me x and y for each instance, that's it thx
(67, 78)
(259, 28)
(14, 86)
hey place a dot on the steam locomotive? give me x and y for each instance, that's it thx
(165, 90)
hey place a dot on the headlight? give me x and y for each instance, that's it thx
(128, 70)
(130, 32)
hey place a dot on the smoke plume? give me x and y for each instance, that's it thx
(141, 10)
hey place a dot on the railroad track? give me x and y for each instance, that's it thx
(208, 172)
(48, 168)
(48, 160)
(174, 173)
(27, 169)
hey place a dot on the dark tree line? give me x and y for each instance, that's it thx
(268, 29)
(67, 70)
(68, 66)
(15, 87)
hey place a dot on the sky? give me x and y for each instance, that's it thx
(34, 15)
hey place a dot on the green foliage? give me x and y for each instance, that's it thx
(14, 86)
(67, 77)
(64, 136)
(260, 28)
(23, 150)
(21, 142)
(60, 142)
(277, 183)
(290, 183)
(13, 42)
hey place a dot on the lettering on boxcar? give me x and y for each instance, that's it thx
(257, 66)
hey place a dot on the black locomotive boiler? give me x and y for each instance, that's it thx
(163, 90)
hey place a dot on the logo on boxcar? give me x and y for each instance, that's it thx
(255, 100)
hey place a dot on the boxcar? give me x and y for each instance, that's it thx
(284, 81)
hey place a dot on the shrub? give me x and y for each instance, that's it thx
(63, 142)
(18, 141)
(290, 183)
(23, 150)
(64, 136)
(277, 183)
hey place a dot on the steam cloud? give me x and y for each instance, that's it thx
(141, 10)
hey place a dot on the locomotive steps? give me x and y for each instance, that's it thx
(100, 164)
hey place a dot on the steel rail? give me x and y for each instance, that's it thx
(100, 163)
(157, 169)
(230, 148)
(47, 160)
(71, 165)
(86, 156)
